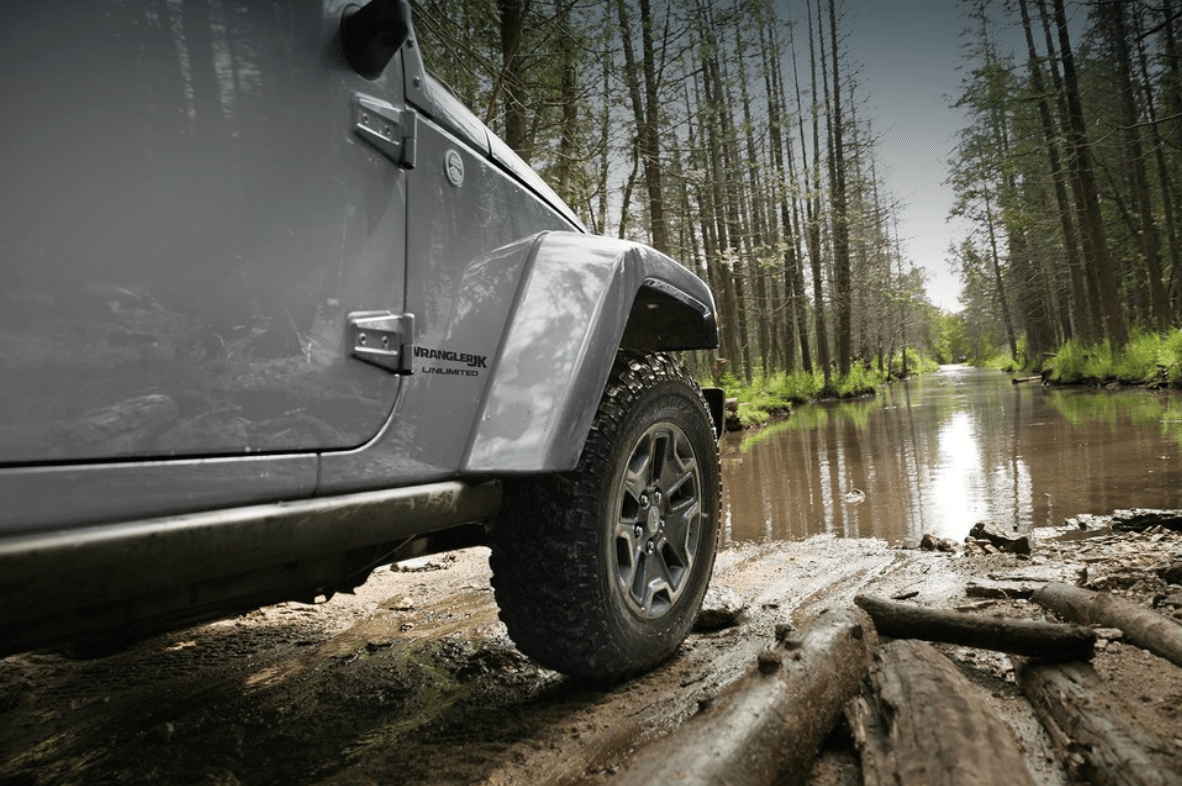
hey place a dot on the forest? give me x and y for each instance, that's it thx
(732, 135)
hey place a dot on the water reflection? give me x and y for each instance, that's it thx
(942, 452)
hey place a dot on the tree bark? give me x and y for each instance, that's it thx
(1143, 627)
(714, 192)
(1090, 320)
(1146, 230)
(1021, 637)
(1062, 201)
(777, 115)
(923, 722)
(1165, 180)
(512, 16)
(767, 727)
(643, 95)
(1086, 719)
(1092, 222)
(842, 300)
(813, 208)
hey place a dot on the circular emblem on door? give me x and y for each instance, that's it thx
(453, 164)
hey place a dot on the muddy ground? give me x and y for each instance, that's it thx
(413, 680)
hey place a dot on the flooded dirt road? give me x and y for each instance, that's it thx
(943, 451)
(413, 681)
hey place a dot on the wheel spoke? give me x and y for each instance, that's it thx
(657, 520)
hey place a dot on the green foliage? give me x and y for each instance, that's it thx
(1000, 362)
(1171, 357)
(796, 387)
(1000, 359)
(1142, 360)
(859, 381)
(1137, 362)
(767, 396)
(952, 345)
(1075, 362)
(750, 415)
(815, 418)
(918, 362)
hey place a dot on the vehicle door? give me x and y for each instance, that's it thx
(190, 217)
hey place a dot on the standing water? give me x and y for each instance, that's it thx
(942, 452)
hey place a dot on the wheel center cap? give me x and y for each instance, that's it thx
(654, 521)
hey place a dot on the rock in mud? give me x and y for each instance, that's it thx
(1172, 574)
(721, 608)
(992, 535)
(930, 542)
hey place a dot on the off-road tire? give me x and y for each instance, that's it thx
(599, 572)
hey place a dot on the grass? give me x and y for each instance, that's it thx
(768, 396)
(1147, 358)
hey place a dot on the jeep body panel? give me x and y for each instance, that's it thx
(188, 217)
(58, 496)
(510, 381)
(210, 219)
(577, 296)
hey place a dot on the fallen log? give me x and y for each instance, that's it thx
(1022, 380)
(1143, 627)
(767, 727)
(1021, 637)
(1094, 730)
(921, 721)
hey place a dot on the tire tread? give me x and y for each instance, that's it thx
(545, 571)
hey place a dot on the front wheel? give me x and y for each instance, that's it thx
(599, 572)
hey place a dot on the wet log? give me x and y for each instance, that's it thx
(1094, 730)
(1143, 627)
(768, 726)
(1020, 637)
(922, 721)
(1023, 380)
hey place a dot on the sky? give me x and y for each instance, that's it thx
(910, 53)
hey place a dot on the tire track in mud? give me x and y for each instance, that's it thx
(779, 581)
(413, 680)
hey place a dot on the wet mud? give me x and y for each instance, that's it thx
(413, 679)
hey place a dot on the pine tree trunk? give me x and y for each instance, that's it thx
(1114, 15)
(1092, 222)
(1062, 200)
(842, 300)
(814, 216)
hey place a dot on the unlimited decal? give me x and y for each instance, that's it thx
(472, 362)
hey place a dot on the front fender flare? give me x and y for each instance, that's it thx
(580, 299)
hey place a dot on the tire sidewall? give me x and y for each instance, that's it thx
(668, 401)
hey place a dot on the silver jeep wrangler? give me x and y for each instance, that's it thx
(277, 309)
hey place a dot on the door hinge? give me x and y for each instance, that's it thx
(391, 130)
(383, 339)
